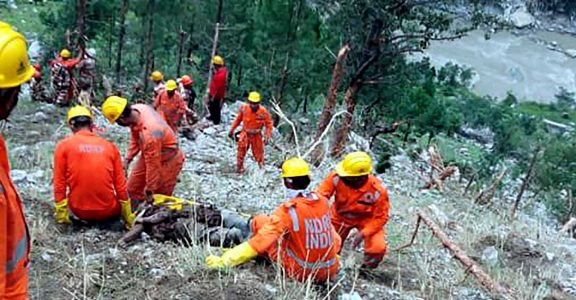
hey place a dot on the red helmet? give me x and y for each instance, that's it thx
(37, 74)
(186, 80)
(38, 67)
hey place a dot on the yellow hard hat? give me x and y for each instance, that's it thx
(78, 111)
(171, 85)
(254, 97)
(156, 76)
(295, 167)
(65, 53)
(15, 69)
(218, 60)
(355, 164)
(113, 107)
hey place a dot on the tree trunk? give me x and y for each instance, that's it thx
(121, 33)
(81, 18)
(180, 52)
(341, 135)
(281, 88)
(110, 35)
(191, 45)
(525, 182)
(149, 44)
(371, 52)
(330, 104)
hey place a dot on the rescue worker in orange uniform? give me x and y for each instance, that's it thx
(88, 177)
(158, 79)
(360, 202)
(157, 170)
(170, 106)
(15, 70)
(253, 117)
(217, 90)
(298, 233)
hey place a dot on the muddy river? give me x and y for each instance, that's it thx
(507, 62)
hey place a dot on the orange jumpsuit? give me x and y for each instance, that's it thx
(251, 134)
(90, 168)
(365, 209)
(171, 109)
(14, 238)
(299, 234)
(161, 161)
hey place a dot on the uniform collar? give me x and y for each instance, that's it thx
(291, 194)
(85, 132)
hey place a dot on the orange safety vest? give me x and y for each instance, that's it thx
(308, 242)
(14, 236)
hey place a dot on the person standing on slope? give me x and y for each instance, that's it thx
(217, 90)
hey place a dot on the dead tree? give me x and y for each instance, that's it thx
(437, 165)
(180, 51)
(471, 267)
(486, 195)
(330, 104)
(371, 53)
(121, 33)
(525, 182)
(149, 43)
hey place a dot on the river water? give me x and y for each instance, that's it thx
(507, 62)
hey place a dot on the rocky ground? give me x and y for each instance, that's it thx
(525, 253)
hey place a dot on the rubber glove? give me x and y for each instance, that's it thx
(235, 256)
(127, 215)
(61, 212)
(170, 201)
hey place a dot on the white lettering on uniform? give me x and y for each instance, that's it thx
(87, 148)
(318, 232)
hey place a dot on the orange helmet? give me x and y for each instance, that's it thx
(186, 80)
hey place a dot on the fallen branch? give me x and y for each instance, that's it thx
(276, 108)
(324, 133)
(471, 267)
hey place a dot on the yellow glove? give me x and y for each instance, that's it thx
(170, 202)
(127, 215)
(235, 256)
(61, 212)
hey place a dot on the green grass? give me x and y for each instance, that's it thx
(546, 111)
(25, 17)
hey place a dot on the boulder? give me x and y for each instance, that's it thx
(522, 18)
(490, 256)
(570, 52)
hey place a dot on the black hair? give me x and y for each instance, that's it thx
(80, 122)
(126, 112)
(298, 183)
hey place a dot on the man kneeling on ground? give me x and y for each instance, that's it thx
(298, 234)
(89, 183)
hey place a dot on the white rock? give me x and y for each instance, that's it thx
(570, 52)
(39, 117)
(114, 252)
(522, 18)
(157, 273)
(490, 256)
(271, 289)
(351, 296)
(46, 257)
(18, 176)
(549, 256)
